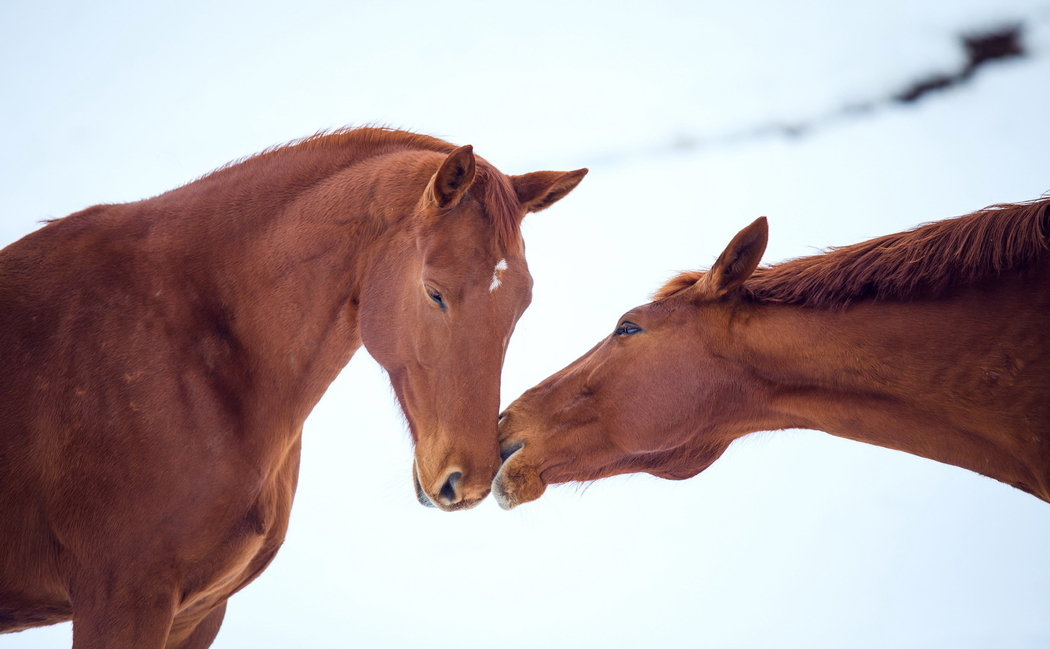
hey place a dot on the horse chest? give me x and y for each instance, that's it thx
(247, 545)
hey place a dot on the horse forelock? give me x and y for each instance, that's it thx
(925, 261)
(678, 283)
(501, 205)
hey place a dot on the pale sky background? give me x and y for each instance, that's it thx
(793, 539)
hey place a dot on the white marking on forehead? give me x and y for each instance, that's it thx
(497, 272)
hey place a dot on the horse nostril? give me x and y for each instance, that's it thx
(448, 490)
(509, 449)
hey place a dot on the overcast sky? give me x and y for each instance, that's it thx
(792, 539)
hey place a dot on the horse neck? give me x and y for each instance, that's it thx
(960, 380)
(279, 272)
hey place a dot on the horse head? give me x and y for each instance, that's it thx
(438, 307)
(655, 396)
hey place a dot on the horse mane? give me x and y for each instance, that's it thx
(925, 261)
(317, 156)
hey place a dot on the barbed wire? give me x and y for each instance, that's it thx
(1002, 42)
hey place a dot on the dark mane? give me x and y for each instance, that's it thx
(927, 260)
(309, 159)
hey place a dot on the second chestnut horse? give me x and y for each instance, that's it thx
(934, 341)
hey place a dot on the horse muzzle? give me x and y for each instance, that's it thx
(451, 495)
(517, 481)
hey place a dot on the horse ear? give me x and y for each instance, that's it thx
(737, 262)
(541, 189)
(453, 178)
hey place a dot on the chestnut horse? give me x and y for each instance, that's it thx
(935, 342)
(159, 359)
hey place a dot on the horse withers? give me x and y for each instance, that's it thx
(159, 359)
(934, 341)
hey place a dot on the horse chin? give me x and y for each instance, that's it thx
(517, 482)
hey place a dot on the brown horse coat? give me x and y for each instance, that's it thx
(935, 342)
(159, 358)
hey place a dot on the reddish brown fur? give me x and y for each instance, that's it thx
(159, 359)
(934, 341)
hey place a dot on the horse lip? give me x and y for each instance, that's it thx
(507, 450)
(421, 495)
(498, 492)
(461, 505)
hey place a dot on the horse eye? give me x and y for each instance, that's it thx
(627, 329)
(435, 295)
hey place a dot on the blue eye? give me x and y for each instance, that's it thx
(435, 295)
(627, 329)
